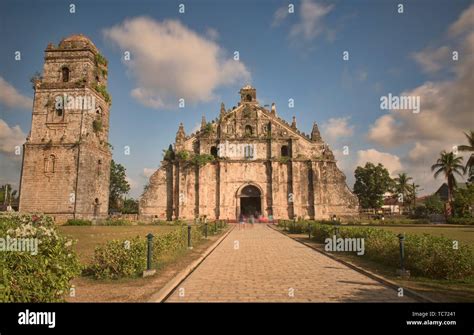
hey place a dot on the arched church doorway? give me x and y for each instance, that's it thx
(250, 201)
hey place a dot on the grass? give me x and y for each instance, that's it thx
(88, 237)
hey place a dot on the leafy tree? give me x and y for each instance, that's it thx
(130, 206)
(448, 165)
(402, 186)
(371, 184)
(434, 205)
(463, 201)
(469, 168)
(119, 185)
(8, 195)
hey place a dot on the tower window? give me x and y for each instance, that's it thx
(248, 130)
(248, 152)
(65, 74)
(99, 167)
(214, 151)
(50, 164)
(59, 112)
(248, 97)
(284, 151)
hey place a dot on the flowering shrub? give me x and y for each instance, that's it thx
(40, 276)
(127, 258)
(119, 258)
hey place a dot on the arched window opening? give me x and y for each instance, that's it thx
(99, 167)
(284, 151)
(248, 97)
(248, 130)
(214, 151)
(59, 112)
(65, 74)
(50, 164)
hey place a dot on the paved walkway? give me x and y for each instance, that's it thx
(260, 264)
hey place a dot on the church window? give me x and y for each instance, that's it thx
(99, 167)
(248, 97)
(284, 151)
(50, 164)
(248, 130)
(214, 151)
(59, 112)
(65, 74)
(248, 152)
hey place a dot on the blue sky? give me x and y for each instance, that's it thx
(284, 55)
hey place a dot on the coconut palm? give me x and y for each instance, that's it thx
(449, 165)
(402, 186)
(469, 168)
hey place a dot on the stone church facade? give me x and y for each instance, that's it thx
(248, 161)
(66, 157)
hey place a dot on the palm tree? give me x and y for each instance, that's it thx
(469, 168)
(402, 186)
(448, 164)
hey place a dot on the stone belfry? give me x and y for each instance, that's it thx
(66, 157)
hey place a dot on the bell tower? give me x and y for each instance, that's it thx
(66, 157)
(248, 94)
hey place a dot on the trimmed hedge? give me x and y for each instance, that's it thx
(464, 221)
(127, 258)
(78, 222)
(41, 277)
(425, 255)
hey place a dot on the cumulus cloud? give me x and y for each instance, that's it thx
(336, 128)
(10, 97)
(170, 61)
(10, 137)
(446, 109)
(310, 20)
(311, 23)
(390, 162)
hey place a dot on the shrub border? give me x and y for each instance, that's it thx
(383, 280)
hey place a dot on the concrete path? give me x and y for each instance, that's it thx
(258, 264)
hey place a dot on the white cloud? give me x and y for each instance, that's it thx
(147, 172)
(10, 137)
(170, 61)
(311, 23)
(12, 98)
(280, 15)
(446, 111)
(336, 128)
(432, 60)
(390, 162)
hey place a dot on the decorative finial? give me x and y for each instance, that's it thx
(293, 123)
(315, 135)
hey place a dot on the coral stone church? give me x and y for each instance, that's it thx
(248, 161)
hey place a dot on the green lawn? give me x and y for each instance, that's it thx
(461, 234)
(88, 237)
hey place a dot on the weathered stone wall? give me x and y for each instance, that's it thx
(306, 183)
(66, 160)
